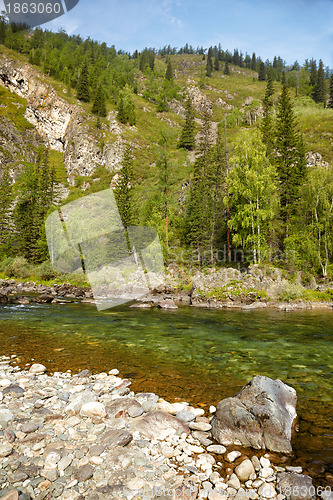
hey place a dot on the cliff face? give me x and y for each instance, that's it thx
(62, 126)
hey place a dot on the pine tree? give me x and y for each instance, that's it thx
(187, 136)
(123, 190)
(330, 97)
(289, 157)
(83, 85)
(99, 106)
(226, 70)
(169, 71)
(319, 94)
(209, 64)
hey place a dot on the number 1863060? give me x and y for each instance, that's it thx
(33, 8)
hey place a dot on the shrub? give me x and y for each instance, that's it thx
(45, 271)
(17, 268)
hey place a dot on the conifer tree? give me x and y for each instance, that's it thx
(6, 199)
(83, 85)
(262, 71)
(313, 74)
(319, 89)
(187, 136)
(267, 126)
(330, 96)
(169, 71)
(209, 64)
(121, 112)
(226, 70)
(289, 157)
(254, 62)
(217, 62)
(123, 190)
(99, 106)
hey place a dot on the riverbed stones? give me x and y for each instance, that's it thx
(58, 451)
(93, 409)
(37, 369)
(5, 450)
(261, 415)
(159, 425)
(244, 470)
(217, 449)
(295, 486)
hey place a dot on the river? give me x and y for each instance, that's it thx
(196, 355)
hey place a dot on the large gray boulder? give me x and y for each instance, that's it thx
(260, 416)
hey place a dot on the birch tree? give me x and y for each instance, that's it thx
(253, 194)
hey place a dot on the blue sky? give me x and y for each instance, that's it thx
(293, 29)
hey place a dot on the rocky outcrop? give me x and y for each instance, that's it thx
(62, 126)
(260, 416)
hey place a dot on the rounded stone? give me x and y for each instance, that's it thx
(244, 470)
(37, 369)
(29, 427)
(93, 409)
(216, 448)
(234, 482)
(267, 490)
(5, 450)
(148, 406)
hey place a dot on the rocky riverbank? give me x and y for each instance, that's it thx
(90, 437)
(255, 288)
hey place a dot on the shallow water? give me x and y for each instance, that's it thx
(196, 355)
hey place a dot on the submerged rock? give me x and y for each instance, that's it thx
(261, 415)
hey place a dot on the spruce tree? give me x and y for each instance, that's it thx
(83, 85)
(187, 136)
(267, 126)
(6, 200)
(121, 112)
(262, 71)
(319, 94)
(226, 70)
(254, 62)
(209, 64)
(313, 74)
(169, 71)
(217, 62)
(289, 157)
(99, 106)
(330, 96)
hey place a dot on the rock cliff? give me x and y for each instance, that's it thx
(61, 125)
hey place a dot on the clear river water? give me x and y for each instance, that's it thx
(195, 355)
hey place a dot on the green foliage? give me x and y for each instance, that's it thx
(330, 98)
(99, 107)
(17, 267)
(6, 200)
(253, 194)
(187, 137)
(123, 189)
(289, 156)
(125, 106)
(169, 71)
(83, 85)
(35, 197)
(226, 70)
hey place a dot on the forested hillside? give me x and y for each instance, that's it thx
(229, 157)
